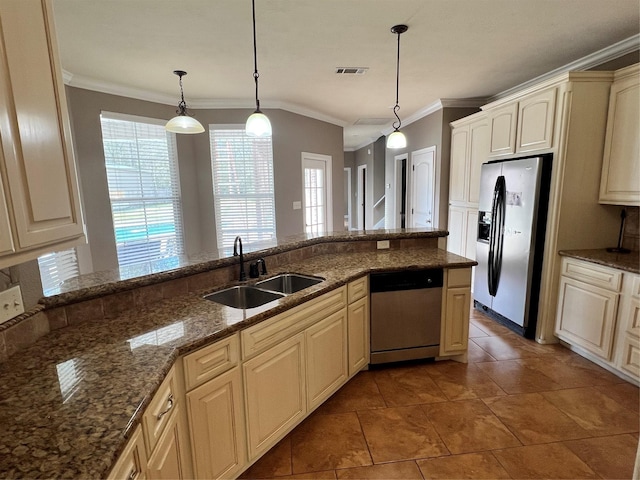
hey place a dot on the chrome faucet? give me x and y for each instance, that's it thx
(237, 241)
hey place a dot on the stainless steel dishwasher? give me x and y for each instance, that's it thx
(405, 315)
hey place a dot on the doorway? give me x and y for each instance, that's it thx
(401, 179)
(362, 193)
(423, 179)
(347, 198)
(316, 198)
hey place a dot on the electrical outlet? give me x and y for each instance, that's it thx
(383, 244)
(10, 303)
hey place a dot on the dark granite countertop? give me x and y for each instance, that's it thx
(69, 402)
(629, 262)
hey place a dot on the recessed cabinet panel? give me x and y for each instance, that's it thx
(35, 131)
(6, 242)
(535, 121)
(478, 154)
(458, 178)
(503, 130)
(454, 337)
(358, 331)
(631, 356)
(166, 462)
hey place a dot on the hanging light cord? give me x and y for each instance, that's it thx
(255, 55)
(397, 106)
(182, 106)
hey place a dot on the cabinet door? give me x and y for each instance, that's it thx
(216, 419)
(587, 316)
(454, 337)
(457, 230)
(274, 394)
(479, 135)
(168, 461)
(503, 130)
(132, 462)
(34, 127)
(458, 177)
(621, 165)
(326, 355)
(6, 241)
(535, 121)
(358, 332)
(471, 236)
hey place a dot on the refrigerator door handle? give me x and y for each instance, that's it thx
(501, 199)
(492, 240)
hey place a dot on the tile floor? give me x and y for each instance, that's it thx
(518, 409)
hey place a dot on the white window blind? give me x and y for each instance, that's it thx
(242, 185)
(57, 267)
(144, 189)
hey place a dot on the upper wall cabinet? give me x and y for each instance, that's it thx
(40, 196)
(621, 165)
(535, 121)
(503, 122)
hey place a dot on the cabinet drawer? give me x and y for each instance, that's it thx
(592, 274)
(211, 361)
(459, 277)
(358, 289)
(270, 332)
(630, 361)
(132, 463)
(156, 416)
(635, 290)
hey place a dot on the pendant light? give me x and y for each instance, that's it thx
(397, 138)
(258, 125)
(183, 122)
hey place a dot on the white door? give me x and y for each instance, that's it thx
(362, 190)
(316, 181)
(347, 198)
(423, 165)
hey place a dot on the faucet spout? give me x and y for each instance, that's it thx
(236, 242)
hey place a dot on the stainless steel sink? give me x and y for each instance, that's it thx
(289, 282)
(243, 296)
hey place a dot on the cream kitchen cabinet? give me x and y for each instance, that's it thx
(629, 337)
(132, 463)
(536, 116)
(620, 182)
(39, 195)
(454, 329)
(169, 460)
(215, 409)
(358, 324)
(463, 231)
(502, 137)
(275, 393)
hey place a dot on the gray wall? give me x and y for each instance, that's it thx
(432, 130)
(293, 134)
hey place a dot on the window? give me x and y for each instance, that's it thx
(57, 267)
(242, 185)
(142, 173)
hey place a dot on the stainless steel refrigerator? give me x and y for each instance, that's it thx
(510, 243)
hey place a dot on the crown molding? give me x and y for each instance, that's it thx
(594, 59)
(89, 83)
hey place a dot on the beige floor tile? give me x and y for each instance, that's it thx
(407, 385)
(533, 419)
(324, 475)
(625, 394)
(594, 411)
(475, 331)
(385, 471)
(360, 393)
(551, 460)
(275, 463)
(400, 433)
(566, 373)
(466, 466)
(327, 442)
(469, 426)
(514, 377)
(491, 327)
(477, 355)
(460, 381)
(504, 347)
(610, 457)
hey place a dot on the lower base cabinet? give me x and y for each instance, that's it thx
(358, 322)
(454, 329)
(166, 462)
(275, 397)
(216, 418)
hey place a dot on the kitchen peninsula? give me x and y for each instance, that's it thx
(70, 403)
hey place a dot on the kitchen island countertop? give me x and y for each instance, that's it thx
(629, 262)
(69, 402)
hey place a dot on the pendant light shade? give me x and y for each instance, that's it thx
(183, 122)
(258, 125)
(397, 138)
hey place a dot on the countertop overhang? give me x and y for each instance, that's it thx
(629, 262)
(69, 402)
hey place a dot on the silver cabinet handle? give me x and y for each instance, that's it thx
(169, 407)
(133, 474)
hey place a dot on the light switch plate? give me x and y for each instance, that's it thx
(383, 244)
(297, 205)
(11, 303)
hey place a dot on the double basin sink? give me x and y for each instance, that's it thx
(251, 296)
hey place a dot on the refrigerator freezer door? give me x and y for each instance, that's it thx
(489, 172)
(522, 183)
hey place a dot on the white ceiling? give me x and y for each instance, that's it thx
(454, 49)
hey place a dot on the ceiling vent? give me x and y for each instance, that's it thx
(373, 121)
(351, 70)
